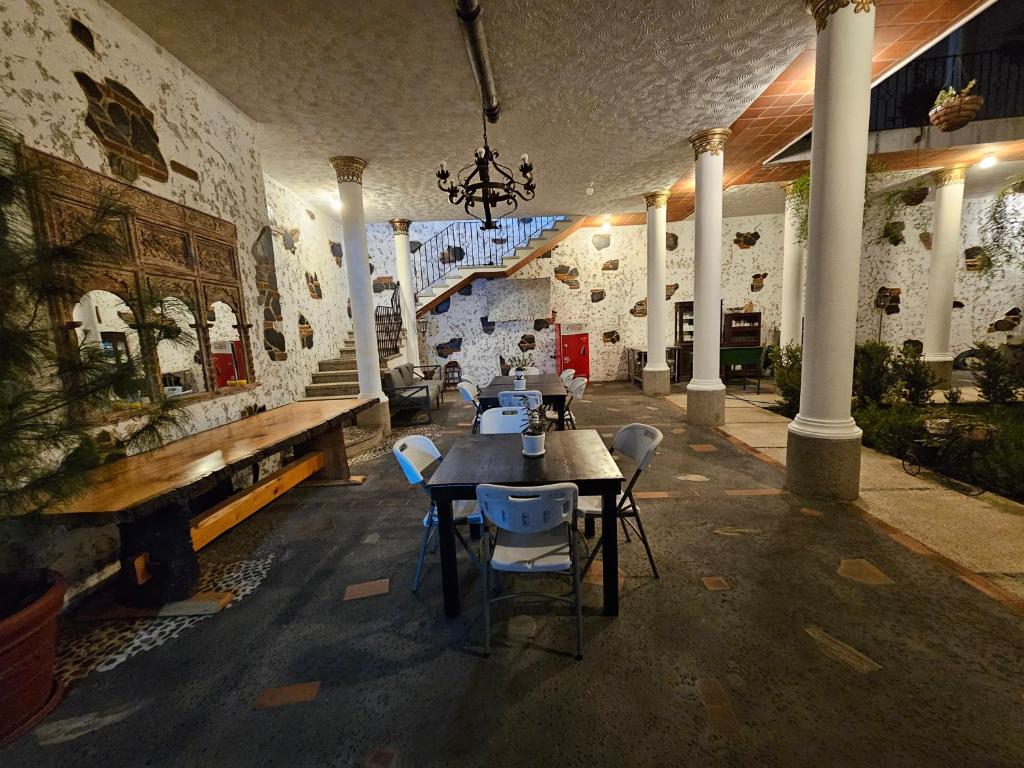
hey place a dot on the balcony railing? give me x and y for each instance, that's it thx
(903, 99)
(464, 244)
(389, 326)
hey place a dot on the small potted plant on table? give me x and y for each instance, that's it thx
(535, 425)
(519, 365)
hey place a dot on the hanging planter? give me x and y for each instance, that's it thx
(953, 110)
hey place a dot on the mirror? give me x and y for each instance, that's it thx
(104, 319)
(226, 346)
(177, 351)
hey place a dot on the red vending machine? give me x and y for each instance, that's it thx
(572, 343)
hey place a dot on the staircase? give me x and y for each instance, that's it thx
(462, 253)
(339, 377)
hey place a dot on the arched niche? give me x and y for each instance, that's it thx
(178, 352)
(227, 354)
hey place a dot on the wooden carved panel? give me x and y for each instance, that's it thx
(164, 247)
(69, 220)
(216, 258)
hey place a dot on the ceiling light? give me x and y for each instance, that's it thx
(988, 162)
(606, 227)
(590, 189)
(336, 205)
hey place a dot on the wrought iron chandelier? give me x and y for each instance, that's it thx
(487, 183)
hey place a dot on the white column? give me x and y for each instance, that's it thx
(792, 274)
(705, 394)
(949, 198)
(403, 264)
(656, 373)
(357, 267)
(823, 447)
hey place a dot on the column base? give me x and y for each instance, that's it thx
(705, 408)
(823, 468)
(943, 371)
(378, 415)
(657, 383)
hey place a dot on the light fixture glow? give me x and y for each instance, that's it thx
(336, 205)
(606, 227)
(988, 162)
(590, 189)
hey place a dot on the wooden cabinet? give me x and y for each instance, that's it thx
(741, 329)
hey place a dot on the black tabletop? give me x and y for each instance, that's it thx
(578, 456)
(548, 384)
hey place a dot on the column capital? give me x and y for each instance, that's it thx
(952, 175)
(657, 199)
(348, 168)
(399, 226)
(822, 9)
(712, 140)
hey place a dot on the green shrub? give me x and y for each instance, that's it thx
(913, 379)
(954, 395)
(996, 372)
(872, 372)
(999, 468)
(889, 428)
(787, 362)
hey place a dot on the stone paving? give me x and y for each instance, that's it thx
(782, 632)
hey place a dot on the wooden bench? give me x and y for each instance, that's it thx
(748, 358)
(174, 500)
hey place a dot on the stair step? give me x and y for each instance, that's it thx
(333, 389)
(334, 377)
(337, 364)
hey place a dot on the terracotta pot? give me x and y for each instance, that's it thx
(30, 602)
(955, 113)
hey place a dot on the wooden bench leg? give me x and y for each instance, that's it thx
(335, 471)
(156, 550)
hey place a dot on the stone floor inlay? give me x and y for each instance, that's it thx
(703, 447)
(288, 694)
(840, 651)
(367, 589)
(721, 718)
(715, 583)
(864, 571)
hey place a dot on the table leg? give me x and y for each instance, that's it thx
(561, 415)
(449, 558)
(610, 553)
(162, 541)
(335, 472)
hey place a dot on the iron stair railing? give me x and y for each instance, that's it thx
(389, 326)
(464, 244)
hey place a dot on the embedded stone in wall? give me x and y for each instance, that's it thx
(893, 232)
(596, 294)
(447, 348)
(466, 290)
(336, 251)
(746, 239)
(541, 324)
(348, 308)
(914, 197)
(671, 241)
(1006, 323)
(313, 283)
(974, 258)
(443, 307)
(611, 265)
(487, 326)
(452, 254)
(888, 300)
(269, 297)
(913, 345)
(383, 283)
(124, 126)
(305, 333)
(757, 281)
(184, 170)
(311, 215)
(567, 275)
(926, 240)
(290, 237)
(527, 342)
(639, 309)
(547, 254)
(958, 304)
(504, 366)
(600, 242)
(610, 337)
(82, 34)
(670, 290)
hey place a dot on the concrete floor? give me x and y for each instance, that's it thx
(776, 660)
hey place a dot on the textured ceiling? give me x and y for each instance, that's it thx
(595, 90)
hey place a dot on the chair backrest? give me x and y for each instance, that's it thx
(414, 454)
(578, 386)
(496, 421)
(567, 376)
(532, 371)
(531, 398)
(470, 392)
(528, 509)
(639, 442)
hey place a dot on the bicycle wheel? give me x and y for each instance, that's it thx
(911, 462)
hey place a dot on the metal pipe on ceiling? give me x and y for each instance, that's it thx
(470, 19)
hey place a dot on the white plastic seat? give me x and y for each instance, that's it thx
(640, 443)
(532, 371)
(471, 394)
(567, 376)
(575, 388)
(496, 421)
(415, 454)
(530, 398)
(535, 533)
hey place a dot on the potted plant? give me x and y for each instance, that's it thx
(535, 424)
(954, 109)
(519, 365)
(55, 392)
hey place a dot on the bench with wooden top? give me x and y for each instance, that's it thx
(176, 499)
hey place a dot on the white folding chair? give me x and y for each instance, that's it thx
(576, 388)
(471, 394)
(496, 421)
(567, 376)
(530, 398)
(532, 371)
(639, 442)
(415, 454)
(535, 533)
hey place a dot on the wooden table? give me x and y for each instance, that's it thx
(153, 496)
(577, 456)
(548, 384)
